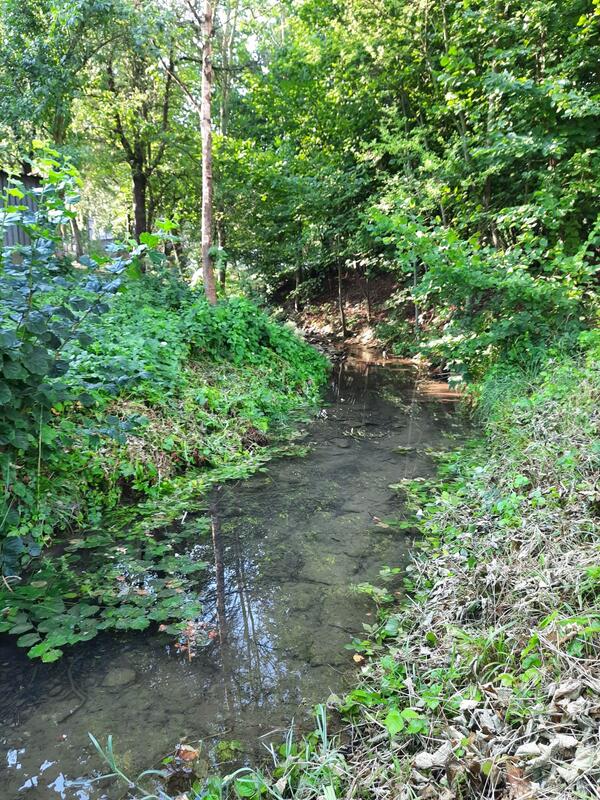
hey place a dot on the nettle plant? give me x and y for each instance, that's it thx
(46, 301)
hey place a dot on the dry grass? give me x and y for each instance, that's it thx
(503, 618)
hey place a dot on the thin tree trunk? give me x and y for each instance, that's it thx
(341, 300)
(368, 297)
(140, 185)
(181, 257)
(299, 277)
(228, 40)
(222, 259)
(77, 238)
(208, 274)
(416, 305)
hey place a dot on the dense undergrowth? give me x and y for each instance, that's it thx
(124, 400)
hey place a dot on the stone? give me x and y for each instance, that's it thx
(119, 676)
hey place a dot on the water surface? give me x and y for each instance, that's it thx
(287, 548)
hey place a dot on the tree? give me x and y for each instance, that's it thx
(46, 49)
(208, 275)
(137, 96)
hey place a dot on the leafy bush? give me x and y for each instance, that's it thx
(46, 304)
(479, 304)
(117, 391)
(239, 332)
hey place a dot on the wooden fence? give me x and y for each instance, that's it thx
(14, 235)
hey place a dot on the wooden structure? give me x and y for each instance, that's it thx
(14, 235)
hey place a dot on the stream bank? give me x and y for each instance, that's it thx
(482, 683)
(287, 546)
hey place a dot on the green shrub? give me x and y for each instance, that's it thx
(479, 305)
(118, 390)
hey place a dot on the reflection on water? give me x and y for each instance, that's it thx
(286, 548)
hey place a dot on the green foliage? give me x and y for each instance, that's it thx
(107, 580)
(116, 391)
(46, 305)
(240, 333)
(45, 50)
(486, 305)
(470, 172)
(310, 767)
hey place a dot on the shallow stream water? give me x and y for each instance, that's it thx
(289, 546)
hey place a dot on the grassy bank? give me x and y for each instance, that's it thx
(163, 397)
(483, 682)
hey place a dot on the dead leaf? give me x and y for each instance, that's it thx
(379, 523)
(528, 750)
(571, 689)
(439, 758)
(186, 753)
(576, 707)
(358, 659)
(563, 741)
(519, 788)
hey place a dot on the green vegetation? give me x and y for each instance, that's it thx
(124, 399)
(450, 149)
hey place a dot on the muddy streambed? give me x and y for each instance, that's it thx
(291, 544)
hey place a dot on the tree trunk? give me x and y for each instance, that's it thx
(181, 257)
(368, 298)
(222, 258)
(140, 185)
(208, 274)
(416, 305)
(77, 238)
(341, 300)
(299, 278)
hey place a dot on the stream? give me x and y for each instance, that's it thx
(290, 545)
